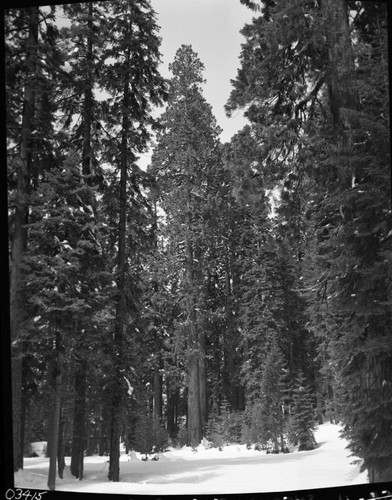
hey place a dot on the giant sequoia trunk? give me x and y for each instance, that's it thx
(19, 237)
(203, 380)
(195, 430)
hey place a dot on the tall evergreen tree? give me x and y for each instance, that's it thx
(134, 84)
(273, 397)
(32, 79)
(183, 160)
(304, 83)
(84, 46)
(23, 169)
(302, 423)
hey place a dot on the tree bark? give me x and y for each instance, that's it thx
(158, 402)
(79, 420)
(60, 451)
(195, 427)
(103, 436)
(56, 380)
(88, 100)
(171, 407)
(19, 238)
(341, 65)
(202, 380)
(120, 321)
(194, 416)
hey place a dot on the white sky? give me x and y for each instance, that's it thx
(212, 28)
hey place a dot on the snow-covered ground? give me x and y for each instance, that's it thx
(210, 471)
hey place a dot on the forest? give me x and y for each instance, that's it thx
(236, 292)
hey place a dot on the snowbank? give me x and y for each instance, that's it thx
(210, 471)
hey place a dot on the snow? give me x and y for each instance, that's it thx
(210, 471)
(38, 448)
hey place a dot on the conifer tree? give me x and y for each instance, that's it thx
(134, 85)
(302, 423)
(273, 396)
(19, 239)
(84, 47)
(183, 162)
(32, 78)
(304, 83)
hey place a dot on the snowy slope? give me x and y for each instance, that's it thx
(209, 471)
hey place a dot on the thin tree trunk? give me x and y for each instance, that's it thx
(170, 414)
(19, 238)
(157, 386)
(103, 439)
(202, 380)
(88, 100)
(60, 451)
(79, 420)
(114, 447)
(120, 321)
(56, 379)
(25, 404)
(171, 407)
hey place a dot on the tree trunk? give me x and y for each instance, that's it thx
(120, 321)
(157, 403)
(114, 450)
(56, 379)
(194, 416)
(341, 65)
(171, 407)
(202, 380)
(19, 238)
(229, 350)
(88, 100)
(79, 420)
(60, 451)
(195, 427)
(25, 404)
(103, 438)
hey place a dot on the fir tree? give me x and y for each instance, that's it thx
(274, 393)
(302, 422)
(134, 84)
